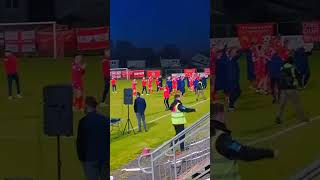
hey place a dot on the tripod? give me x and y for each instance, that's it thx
(128, 125)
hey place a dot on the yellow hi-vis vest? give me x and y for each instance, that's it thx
(222, 168)
(177, 117)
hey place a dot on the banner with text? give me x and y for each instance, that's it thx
(311, 31)
(138, 73)
(153, 73)
(254, 33)
(93, 38)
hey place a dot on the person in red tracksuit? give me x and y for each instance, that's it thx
(134, 87)
(78, 72)
(10, 66)
(106, 75)
(174, 85)
(166, 96)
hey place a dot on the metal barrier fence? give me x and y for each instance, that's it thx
(311, 172)
(166, 164)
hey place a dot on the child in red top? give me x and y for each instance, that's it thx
(78, 72)
(106, 75)
(134, 87)
(150, 84)
(144, 85)
(10, 66)
(166, 96)
(114, 85)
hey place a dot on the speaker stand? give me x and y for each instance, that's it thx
(58, 158)
(128, 125)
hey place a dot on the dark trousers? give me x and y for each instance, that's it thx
(114, 88)
(11, 78)
(95, 170)
(144, 89)
(275, 82)
(304, 79)
(234, 95)
(166, 103)
(106, 89)
(179, 128)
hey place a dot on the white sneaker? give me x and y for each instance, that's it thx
(19, 96)
(10, 97)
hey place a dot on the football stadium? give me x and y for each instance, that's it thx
(254, 121)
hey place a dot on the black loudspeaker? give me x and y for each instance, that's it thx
(127, 96)
(57, 109)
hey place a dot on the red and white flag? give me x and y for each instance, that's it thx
(93, 38)
(20, 41)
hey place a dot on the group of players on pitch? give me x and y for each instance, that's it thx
(174, 85)
(271, 69)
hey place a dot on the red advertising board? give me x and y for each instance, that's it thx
(138, 73)
(93, 38)
(189, 72)
(116, 74)
(254, 33)
(153, 73)
(311, 32)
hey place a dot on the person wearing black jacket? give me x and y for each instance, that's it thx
(178, 119)
(226, 150)
(93, 142)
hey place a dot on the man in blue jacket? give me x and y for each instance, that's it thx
(169, 83)
(274, 67)
(93, 142)
(139, 108)
(221, 71)
(233, 78)
(204, 81)
(301, 61)
(250, 69)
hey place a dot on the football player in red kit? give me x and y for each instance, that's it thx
(134, 87)
(106, 75)
(174, 85)
(150, 80)
(144, 85)
(78, 71)
(10, 66)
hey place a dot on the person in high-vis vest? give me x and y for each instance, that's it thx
(178, 118)
(225, 151)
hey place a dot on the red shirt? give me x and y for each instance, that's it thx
(284, 53)
(10, 65)
(113, 82)
(157, 82)
(166, 92)
(174, 83)
(150, 82)
(105, 67)
(77, 73)
(144, 82)
(134, 85)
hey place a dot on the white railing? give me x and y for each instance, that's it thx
(165, 164)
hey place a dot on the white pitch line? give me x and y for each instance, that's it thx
(282, 132)
(170, 113)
